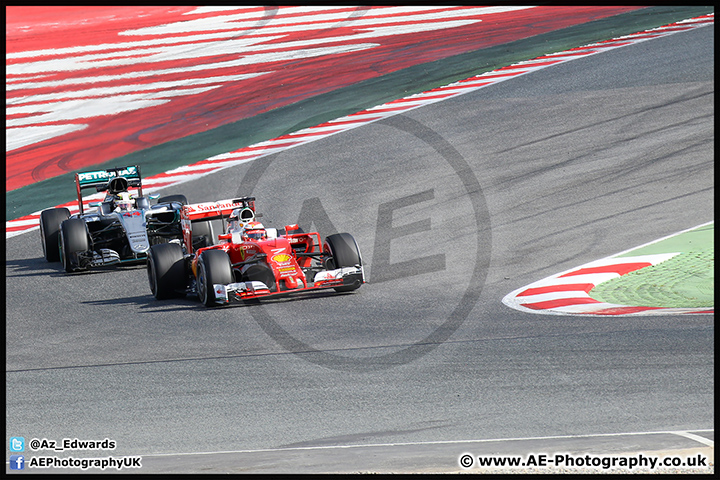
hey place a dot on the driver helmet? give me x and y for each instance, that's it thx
(254, 231)
(125, 201)
(239, 218)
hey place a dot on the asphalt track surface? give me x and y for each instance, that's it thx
(466, 199)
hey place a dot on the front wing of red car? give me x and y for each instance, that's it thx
(338, 278)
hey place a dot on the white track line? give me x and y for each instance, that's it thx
(681, 433)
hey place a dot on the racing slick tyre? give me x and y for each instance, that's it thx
(72, 239)
(344, 252)
(173, 198)
(213, 267)
(166, 270)
(50, 221)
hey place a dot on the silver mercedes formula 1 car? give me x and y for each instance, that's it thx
(119, 229)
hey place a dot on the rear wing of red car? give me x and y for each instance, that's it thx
(214, 210)
(221, 209)
(100, 179)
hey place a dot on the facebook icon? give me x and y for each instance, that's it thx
(17, 462)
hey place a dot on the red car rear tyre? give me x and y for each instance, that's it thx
(166, 270)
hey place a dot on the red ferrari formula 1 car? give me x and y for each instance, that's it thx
(249, 261)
